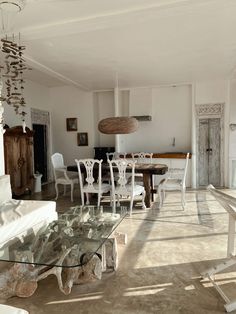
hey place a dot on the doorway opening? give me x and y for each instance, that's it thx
(40, 151)
(42, 143)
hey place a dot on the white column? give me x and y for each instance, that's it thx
(2, 168)
(194, 141)
(116, 103)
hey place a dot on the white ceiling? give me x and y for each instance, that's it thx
(88, 43)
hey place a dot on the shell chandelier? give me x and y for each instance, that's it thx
(12, 65)
(12, 71)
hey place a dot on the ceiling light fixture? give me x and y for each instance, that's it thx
(14, 65)
(9, 10)
(118, 124)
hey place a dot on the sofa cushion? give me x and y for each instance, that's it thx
(5, 189)
(26, 217)
(6, 309)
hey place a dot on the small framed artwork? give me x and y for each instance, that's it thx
(71, 124)
(82, 139)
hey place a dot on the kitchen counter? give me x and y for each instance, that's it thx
(174, 155)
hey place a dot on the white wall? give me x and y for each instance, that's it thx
(70, 102)
(210, 92)
(36, 96)
(170, 108)
(232, 135)
(103, 108)
(232, 119)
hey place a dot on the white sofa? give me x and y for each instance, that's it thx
(21, 217)
(6, 309)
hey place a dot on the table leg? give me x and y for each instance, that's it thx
(146, 184)
(231, 235)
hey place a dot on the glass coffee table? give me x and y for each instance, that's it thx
(77, 247)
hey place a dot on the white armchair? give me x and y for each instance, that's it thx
(61, 175)
(172, 183)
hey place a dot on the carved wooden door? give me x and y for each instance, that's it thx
(18, 154)
(209, 163)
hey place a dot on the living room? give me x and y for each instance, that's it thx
(169, 60)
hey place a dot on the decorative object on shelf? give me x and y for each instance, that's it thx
(232, 126)
(71, 124)
(118, 125)
(143, 118)
(82, 139)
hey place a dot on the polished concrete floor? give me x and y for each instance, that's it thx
(159, 268)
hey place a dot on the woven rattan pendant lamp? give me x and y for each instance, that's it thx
(118, 124)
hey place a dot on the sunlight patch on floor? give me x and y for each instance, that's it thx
(81, 298)
(146, 290)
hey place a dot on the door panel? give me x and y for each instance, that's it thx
(214, 154)
(209, 171)
(203, 154)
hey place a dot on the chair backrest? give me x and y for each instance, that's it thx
(87, 166)
(185, 170)
(122, 186)
(110, 156)
(57, 163)
(142, 157)
(120, 155)
(115, 155)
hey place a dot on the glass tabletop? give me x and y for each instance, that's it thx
(69, 241)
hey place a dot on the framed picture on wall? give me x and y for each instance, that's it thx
(71, 124)
(82, 139)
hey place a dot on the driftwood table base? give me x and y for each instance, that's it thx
(21, 279)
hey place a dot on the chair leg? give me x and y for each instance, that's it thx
(152, 187)
(143, 200)
(87, 199)
(183, 198)
(99, 199)
(114, 202)
(56, 188)
(71, 192)
(160, 196)
(82, 198)
(111, 200)
(118, 200)
(131, 205)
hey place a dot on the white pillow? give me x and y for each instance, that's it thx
(5, 188)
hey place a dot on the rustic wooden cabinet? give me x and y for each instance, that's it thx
(18, 154)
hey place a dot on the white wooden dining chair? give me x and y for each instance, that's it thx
(88, 184)
(143, 158)
(112, 156)
(122, 187)
(171, 183)
(62, 176)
